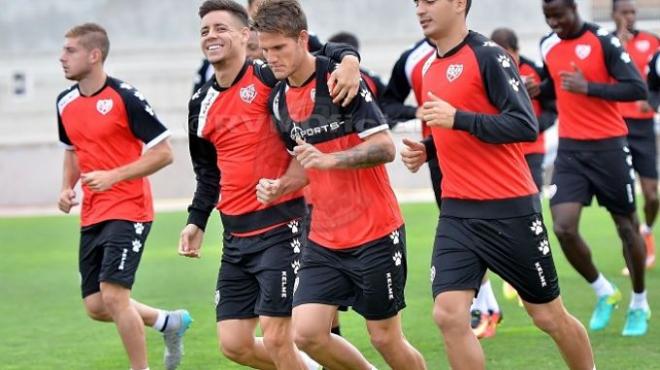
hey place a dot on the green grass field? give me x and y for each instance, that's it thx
(43, 324)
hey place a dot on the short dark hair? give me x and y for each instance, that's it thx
(280, 16)
(236, 9)
(566, 2)
(346, 38)
(468, 4)
(92, 36)
(506, 38)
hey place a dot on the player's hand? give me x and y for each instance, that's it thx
(438, 113)
(533, 87)
(644, 106)
(418, 113)
(310, 157)
(413, 155)
(190, 242)
(344, 82)
(67, 200)
(99, 180)
(574, 81)
(268, 190)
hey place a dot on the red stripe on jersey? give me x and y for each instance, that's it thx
(582, 117)
(351, 206)
(473, 169)
(537, 147)
(98, 128)
(248, 147)
(641, 48)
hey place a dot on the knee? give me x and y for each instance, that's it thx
(564, 230)
(96, 310)
(277, 340)
(308, 340)
(628, 230)
(383, 340)
(547, 321)
(236, 350)
(450, 319)
(114, 300)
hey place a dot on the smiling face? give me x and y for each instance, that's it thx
(562, 18)
(222, 37)
(436, 17)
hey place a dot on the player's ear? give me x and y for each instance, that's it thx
(303, 38)
(95, 56)
(245, 34)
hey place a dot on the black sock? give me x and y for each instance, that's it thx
(336, 330)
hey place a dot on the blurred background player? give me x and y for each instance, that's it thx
(589, 72)
(639, 115)
(104, 125)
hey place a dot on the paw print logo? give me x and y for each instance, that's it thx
(394, 236)
(295, 265)
(295, 244)
(432, 274)
(504, 61)
(139, 228)
(294, 226)
(136, 245)
(537, 227)
(515, 84)
(544, 247)
(217, 297)
(397, 258)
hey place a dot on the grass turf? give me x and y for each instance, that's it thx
(44, 326)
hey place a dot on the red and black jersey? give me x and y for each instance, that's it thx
(233, 144)
(611, 76)
(406, 76)
(351, 206)
(544, 108)
(109, 129)
(485, 174)
(640, 48)
(231, 133)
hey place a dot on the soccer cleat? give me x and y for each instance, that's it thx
(508, 291)
(479, 323)
(174, 340)
(637, 322)
(494, 320)
(603, 311)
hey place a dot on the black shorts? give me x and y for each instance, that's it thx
(535, 164)
(370, 278)
(260, 283)
(516, 249)
(641, 140)
(110, 252)
(607, 174)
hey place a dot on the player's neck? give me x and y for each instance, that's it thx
(93, 82)
(227, 70)
(302, 73)
(451, 39)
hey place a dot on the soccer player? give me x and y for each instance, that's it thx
(589, 72)
(356, 253)
(104, 125)
(638, 115)
(233, 144)
(479, 112)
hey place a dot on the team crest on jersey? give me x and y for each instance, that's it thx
(643, 45)
(583, 51)
(248, 93)
(104, 106)
(454, 71)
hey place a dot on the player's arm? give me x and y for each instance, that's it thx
(629, 85)
(344, 81)
(506, 91)
(70, 170)
(145, 126)
(653, 80)
(397, 90)
(548, 114)
(268, 190)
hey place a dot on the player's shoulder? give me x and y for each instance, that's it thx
(487, 51)
(127, 91)
(67, 96)
(263, 72)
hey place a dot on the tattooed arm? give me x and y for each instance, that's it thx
(377, 148)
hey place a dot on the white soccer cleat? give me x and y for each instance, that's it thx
(174, 340)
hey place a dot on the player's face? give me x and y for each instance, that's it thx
(76, 60)
(222, 37)
(562, 18)
(283, 54)
(253, 49)
(625, 14)
(436, 16)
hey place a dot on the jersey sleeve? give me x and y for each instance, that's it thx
(336, 51)
(142, 119)
(506, 91)
(653, 80)
(629, 85)
(365, 115)
(397, 91)
(264, 73)
(207, 175)
(65, 142)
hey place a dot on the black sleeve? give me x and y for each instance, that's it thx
(629, 85)
(397, 91)
(506, 91)
(64, 138)
(548, 114)
(365, 115)
(336, 51)
(200, 76)
(141, 117)
(314, 44)
(653, 80)
(429, 145)
(204, 160)
(264, 73)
